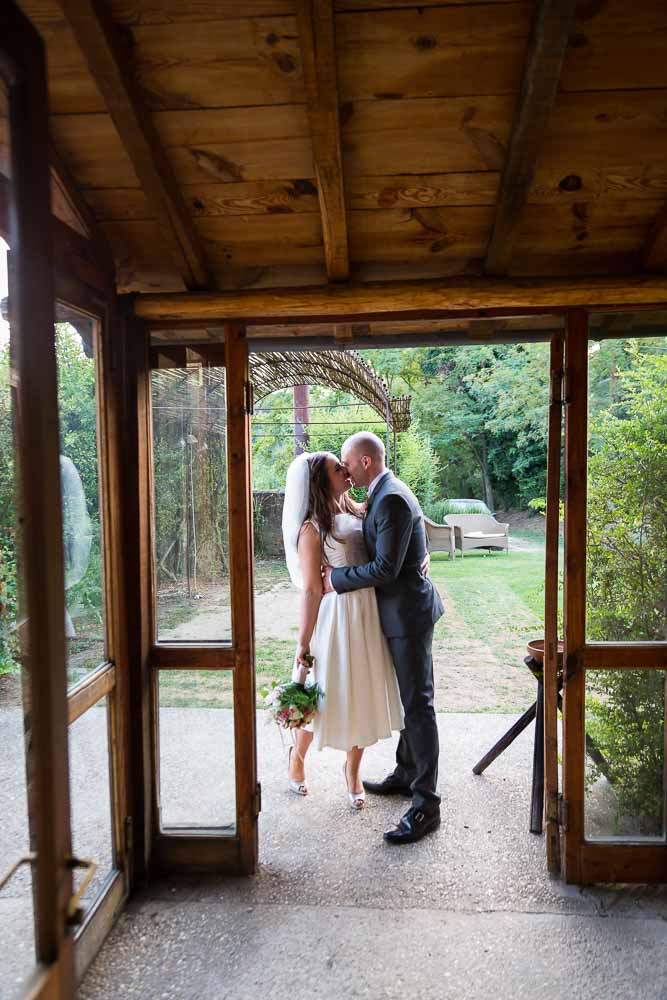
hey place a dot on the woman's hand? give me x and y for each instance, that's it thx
(302, 652)
(426, 564)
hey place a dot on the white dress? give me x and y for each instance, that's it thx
(353, 665)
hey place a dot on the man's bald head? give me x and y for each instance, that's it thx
(363, 456)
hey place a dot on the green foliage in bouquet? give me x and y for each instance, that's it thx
(292, 705)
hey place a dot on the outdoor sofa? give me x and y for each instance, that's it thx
(478, 531)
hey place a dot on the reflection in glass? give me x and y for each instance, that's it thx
(627, 485)
(625, 729)
(190, 490)
(196, 750)
(90, 795)
(80, 491)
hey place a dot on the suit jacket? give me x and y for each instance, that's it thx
(396, 541)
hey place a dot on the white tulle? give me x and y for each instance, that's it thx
(353, 665)
(295, 507)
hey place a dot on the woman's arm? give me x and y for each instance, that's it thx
(310, 560)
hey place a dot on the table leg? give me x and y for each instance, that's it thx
(537, 794)
(505, 740)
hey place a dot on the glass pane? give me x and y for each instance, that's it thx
(625, 744)
(190, 489)
(17, 952)
(76, 341)
(627, 479)
(196, 739)
(90, 796)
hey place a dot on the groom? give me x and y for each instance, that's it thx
(409, 606)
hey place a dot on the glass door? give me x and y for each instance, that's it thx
(95, 665)
(36, 896)
(202, 657)
(615, 608)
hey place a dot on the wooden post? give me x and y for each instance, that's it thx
(242, 600)
(34, 376)
(551, 606)
(576, 428)
(138, 579)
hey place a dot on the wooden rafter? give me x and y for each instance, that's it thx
(655, 251)
(315, 19)
(544, 57)
(62, 180)
(98, 39)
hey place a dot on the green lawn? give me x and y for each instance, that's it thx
(494, 604)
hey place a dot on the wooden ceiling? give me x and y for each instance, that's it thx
(376, 140)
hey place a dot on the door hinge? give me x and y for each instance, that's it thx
(563, 813)
(249, 398)
(257, 801)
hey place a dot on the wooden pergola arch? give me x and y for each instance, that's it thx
(345, 370)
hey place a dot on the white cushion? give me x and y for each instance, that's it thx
(483, 534)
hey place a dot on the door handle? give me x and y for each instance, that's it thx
(29, 859)
(74, 911)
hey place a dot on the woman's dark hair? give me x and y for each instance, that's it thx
(322, 508)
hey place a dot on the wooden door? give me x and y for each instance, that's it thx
(613, 816)
(97, 667)
(40, 615)
(201, 657)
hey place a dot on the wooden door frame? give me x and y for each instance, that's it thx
(590, 861)
(554, 452)
(168, 851)
(23, 65)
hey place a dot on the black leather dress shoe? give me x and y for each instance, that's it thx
(391, 785)
(413, 826)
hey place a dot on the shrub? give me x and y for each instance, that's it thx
(627, 585)
(418, 467)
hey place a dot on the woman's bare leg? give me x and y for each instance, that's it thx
(352, 770)
(297, 759)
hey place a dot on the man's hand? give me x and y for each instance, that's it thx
(326, 580)
(426, 565)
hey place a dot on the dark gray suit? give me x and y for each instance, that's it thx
(409, 607)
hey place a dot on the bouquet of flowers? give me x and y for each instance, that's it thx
(293, 705)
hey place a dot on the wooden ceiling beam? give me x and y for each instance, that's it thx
(315, 21)
(405, 300)
(100, 42)
(542, 68)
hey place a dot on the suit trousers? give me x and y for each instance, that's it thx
(418, 746)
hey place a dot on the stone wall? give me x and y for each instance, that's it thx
(268, 513)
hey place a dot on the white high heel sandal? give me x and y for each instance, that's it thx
(298, 787)
(357, 799)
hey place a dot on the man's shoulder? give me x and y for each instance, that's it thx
(393, 486)
(395, 496)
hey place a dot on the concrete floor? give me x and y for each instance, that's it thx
(335, 913)
(91, 830)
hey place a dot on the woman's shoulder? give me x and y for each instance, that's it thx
(309, 529)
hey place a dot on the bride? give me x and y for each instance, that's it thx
(322, 525)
